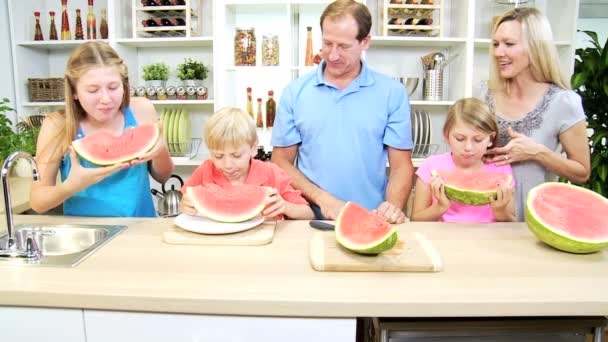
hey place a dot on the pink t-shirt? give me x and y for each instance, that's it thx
(458, 212)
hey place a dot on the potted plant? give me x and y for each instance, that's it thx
(156, 74)
(8, 137)
(192, 72)
(590, 81)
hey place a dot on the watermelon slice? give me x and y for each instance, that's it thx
(473, 188)
(237, 203)
(364, 232)
(104, 148)
(568, 217)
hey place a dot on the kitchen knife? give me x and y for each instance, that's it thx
(321, 225)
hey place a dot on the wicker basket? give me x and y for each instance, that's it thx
(46, 89)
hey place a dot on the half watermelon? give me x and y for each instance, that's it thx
(237, 203)
(472, 188)
(364, 232)
(568, 217)
(104, 148)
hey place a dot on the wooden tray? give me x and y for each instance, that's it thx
(257, 236)
(412, 253)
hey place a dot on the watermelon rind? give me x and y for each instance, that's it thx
(245, 216)
(467, 196)
(553, 237)
(382, 244)
(83, 152)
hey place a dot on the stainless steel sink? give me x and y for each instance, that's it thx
(60, 245)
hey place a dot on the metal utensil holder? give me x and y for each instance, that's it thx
(432, 85)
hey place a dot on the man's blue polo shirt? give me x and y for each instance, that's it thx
(342, 133)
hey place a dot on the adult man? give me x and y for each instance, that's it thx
(343, 121)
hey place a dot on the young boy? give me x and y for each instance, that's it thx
(232, 140)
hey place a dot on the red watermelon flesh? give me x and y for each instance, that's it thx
(105, 148)
(236, 203)
(364, 232)
(580, 214)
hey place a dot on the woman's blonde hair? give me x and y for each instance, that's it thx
(230, 127)
(538, 43)
(475, 113)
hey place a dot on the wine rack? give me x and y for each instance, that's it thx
(411, 17)
(166, 18)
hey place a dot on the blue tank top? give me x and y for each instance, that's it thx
(125, 193)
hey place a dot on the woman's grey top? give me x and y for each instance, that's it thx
(556, 112)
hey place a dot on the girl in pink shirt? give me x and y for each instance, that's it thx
(232, 140)
(469, 130)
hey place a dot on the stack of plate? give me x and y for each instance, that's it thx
(421, 132)
(176, 130)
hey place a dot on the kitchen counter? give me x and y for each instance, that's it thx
(489, 270)
(20, 194)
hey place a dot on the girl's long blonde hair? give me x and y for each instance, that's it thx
(538, 43)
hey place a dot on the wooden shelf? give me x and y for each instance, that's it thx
(173, 42)
(55, 44)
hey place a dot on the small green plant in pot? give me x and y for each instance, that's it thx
(156, 74)
(9, 140)
(590, 81)
(192, 72)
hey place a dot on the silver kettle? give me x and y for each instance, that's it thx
(168, 201)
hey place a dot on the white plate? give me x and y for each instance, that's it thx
(200, 224)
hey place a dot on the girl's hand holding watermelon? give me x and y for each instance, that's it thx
(157, 150)
(438, 191)
(503, 205)
(81, 177)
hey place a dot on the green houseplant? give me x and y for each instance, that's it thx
(192, 72)
(9, 140)
(590, 81)
(156, 72)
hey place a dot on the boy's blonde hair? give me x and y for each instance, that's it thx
(538, 43)
(230, 127)
(472, 112)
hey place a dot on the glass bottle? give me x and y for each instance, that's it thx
(65, 21)
(91, 22)
(271, 109)
(52, 28)
(78, 33)
(308, 60)
(38, 35)
(249, 103)
(103, 26)
(259, 122)
(244, 47)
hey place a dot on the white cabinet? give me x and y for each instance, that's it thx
(41, 324)
(114, 326)
(465, 33)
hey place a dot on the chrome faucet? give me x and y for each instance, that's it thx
(12, 248)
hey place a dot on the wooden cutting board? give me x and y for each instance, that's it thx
(260, 235)
(412, 253)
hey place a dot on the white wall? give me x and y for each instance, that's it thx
(598, 25)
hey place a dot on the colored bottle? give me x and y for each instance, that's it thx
(52, 29)
(38, 35)
(249, 103)
(103, 26)
(65, 22)
(78, 33)
(91, 23)
(259, 122)
(271, 109)
(308, 61)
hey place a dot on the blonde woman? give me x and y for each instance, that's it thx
(97, 98)
(535, 109)
(232, 140)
